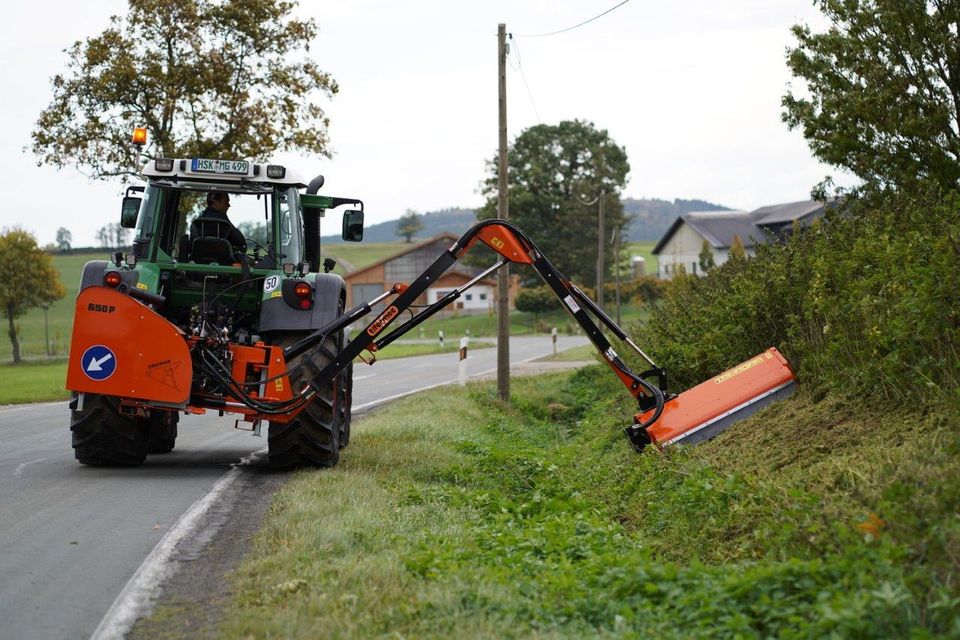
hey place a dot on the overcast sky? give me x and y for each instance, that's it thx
(691, 89)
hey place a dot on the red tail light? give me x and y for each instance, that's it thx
(304, 293)
(112, 279)
(302, 290)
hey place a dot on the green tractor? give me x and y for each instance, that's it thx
(197, 315)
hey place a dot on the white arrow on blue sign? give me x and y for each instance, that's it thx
(98, 362)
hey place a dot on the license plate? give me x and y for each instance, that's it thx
(203, 165)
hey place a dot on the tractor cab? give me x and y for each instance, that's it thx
(228, 242)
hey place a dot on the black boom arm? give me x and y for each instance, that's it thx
(513, 246)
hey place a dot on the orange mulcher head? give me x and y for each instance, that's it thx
(709, 408)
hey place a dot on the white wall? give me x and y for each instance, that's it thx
(684, 248)
(477, 297)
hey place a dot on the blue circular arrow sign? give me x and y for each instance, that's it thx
(98, 362)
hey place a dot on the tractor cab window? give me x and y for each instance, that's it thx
(147, 217)
(291, 227)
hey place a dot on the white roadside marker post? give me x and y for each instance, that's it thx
(440, 336)
(464, 343)
(553, 334)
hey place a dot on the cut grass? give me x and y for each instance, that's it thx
(452, 515)
(33, 382)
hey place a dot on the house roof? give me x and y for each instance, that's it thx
(716, 227)
(416, 247)
(782, 213)
(719, 227)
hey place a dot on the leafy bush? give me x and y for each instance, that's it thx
(865, 302)
(645, 289)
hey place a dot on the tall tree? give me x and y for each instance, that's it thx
(737, 252)
(706, 259)
(553, 170)
(409, 225)
(64, 238)
(881, 90)
(27, 279)
(207, 78)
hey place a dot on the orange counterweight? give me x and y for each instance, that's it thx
(121, 347)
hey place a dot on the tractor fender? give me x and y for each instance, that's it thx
(94, 271)
(329, 290)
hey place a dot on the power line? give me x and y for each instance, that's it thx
(553, 33)
(523, 77)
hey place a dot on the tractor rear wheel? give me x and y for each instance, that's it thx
(162, 429)
(312, 438)
(346, 403)
(104, 436)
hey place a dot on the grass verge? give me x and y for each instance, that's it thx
(406, 350)
(454, 515)
(33, 382)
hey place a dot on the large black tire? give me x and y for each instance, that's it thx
(312, 438)
(104, 436)
(162, 430)
(345, 389)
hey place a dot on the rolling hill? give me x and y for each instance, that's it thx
(651, 217)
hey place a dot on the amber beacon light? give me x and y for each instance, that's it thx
(140, 136)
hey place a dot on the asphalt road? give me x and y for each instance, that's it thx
(71, 536)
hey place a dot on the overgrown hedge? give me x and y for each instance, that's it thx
(865, 302)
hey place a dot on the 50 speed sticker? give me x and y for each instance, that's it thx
(271, 283)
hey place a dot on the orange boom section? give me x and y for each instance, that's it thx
(120, 347)
(702, 412)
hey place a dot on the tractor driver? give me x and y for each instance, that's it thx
(213, 222)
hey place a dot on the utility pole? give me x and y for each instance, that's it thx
(616, 266)
(600, 248)
(503, 210)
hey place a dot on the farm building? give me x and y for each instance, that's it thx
(684, 240)
(367, 283)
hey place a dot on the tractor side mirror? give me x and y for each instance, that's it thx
(129, 212)
(352, 225)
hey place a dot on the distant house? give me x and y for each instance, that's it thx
(363, 285)
(683, 241)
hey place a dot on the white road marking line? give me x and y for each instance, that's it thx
(20, 468)
(136, 597)
(364, 377)
(32, 405)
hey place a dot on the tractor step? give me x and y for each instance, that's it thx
(708, 409)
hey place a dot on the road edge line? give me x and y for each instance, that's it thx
(136, 596)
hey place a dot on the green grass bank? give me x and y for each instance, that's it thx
(454, 515)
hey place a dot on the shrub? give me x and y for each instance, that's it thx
(865, 302)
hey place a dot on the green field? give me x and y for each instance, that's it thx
(33, 382)
(359, 254)
(643, 250)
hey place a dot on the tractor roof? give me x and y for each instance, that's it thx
(203, 170)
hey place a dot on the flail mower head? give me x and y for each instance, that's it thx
(709, 408)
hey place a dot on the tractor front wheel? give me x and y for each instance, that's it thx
(162, 427)
(104, 436)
